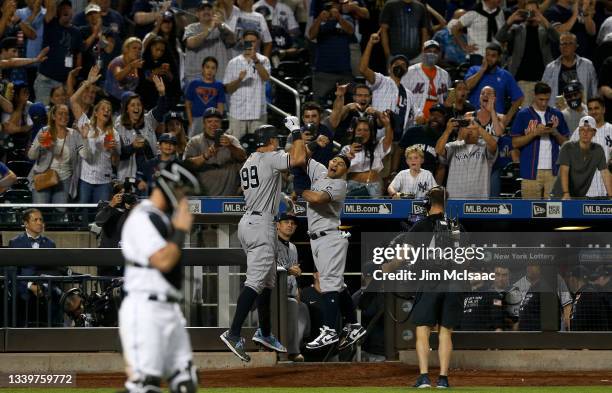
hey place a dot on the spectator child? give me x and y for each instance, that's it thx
(202, 94)
(415, 180)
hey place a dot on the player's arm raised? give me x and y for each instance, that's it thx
(297, 152)
(167, 257)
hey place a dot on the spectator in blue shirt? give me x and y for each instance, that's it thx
(452, 53)
(489, 73)
(538, 131)
(7, 178)
(31, 22)
(65, 43)
(332, 32)
(202, 94)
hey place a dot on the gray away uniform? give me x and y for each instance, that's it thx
(330, 245)
(261, 181)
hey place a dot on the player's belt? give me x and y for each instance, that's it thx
(316, 235)
(254, 213)
(164, 298)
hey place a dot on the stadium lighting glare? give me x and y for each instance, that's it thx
(572, 228)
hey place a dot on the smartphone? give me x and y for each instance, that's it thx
(218, 134)
(463, 123)
(452, 95)
(358, 139)
(549, 124)
(248, 44)
(524, 14)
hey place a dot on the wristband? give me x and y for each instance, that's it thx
(178, 237)
(296, 135)
(313, 146)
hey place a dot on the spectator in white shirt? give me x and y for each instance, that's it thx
(100, 145)
(366, 154)
(247, 21)
(282, 15)
(414, 181)
(244, 81)
(482, 24)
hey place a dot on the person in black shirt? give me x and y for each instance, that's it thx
(443, 308)
(588, 309)
(425, 137)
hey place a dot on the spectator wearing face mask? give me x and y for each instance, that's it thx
(576, 109)
(427, 82)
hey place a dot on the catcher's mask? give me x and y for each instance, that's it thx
(176, 181)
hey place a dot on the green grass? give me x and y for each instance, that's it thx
(531, 389)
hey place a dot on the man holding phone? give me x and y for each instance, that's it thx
(217, 156)
(244, 80)
(538, 131)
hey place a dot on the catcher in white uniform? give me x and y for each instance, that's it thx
(155, 343)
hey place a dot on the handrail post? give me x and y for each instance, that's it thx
(294, 92)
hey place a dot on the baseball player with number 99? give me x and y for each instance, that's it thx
(261, 181)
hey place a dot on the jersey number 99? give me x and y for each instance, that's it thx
(249, 177)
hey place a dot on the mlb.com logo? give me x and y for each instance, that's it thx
(487, 208)
(234, 207)
(368, 208)
(546, 210)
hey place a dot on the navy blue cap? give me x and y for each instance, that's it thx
(167, 137)
(206, 3)
(173, 116)
(212, 112)
(286, 216)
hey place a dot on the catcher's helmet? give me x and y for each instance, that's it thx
(175, 180)
(263, 134)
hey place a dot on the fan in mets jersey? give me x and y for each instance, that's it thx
(261, 178)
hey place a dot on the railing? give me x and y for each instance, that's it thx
(294, 92)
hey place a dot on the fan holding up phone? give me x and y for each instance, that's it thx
(215, 155)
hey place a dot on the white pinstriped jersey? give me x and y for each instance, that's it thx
(405, 183)
(385, 95)
(417, 82)
(603, 137)
(248, 102)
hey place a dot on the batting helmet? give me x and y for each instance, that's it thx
(263, 134)
(175, 181)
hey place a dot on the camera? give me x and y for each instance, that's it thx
(218, 134)
(358, 139)
(129, 194)
(312, 130)
(463, 123)
(549, 124)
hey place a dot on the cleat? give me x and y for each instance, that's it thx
(237, 347)
(270, 342)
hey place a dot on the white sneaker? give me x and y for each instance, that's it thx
(326, 337)
(351, 334)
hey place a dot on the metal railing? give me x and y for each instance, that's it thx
(294, 92)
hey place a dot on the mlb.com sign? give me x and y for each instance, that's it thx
(368, 208)
(487, 208)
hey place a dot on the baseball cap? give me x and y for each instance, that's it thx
(167, 137)
(438, 108)
(572, 87)
(347, 161)
(168, 15)
(173, 116)
(212, 112)
(206, 3)
(265, 11)
(285, 216)
(588, 121)
(393, 59)
(92, 7)
(431, 44)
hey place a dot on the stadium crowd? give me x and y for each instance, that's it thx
(460, 93)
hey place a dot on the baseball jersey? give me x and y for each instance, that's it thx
(602, 137)
(469, 170)
(261, 180)
(405, 183)
(287, 256)
(145, 232)
(325, 216)
(418, 83)
(386, 95)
